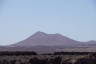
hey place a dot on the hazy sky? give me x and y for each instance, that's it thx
(20, 19)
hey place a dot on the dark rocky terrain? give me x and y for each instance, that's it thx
(48, 59)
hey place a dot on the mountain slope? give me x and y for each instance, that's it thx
(43, 39)
(45, 43)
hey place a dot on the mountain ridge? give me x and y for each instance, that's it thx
(45, 43)
(41, 38)
(44, 39)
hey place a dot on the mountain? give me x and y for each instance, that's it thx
(92, 42)
(45, 43)
(43, 39)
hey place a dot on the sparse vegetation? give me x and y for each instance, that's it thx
(34, 58)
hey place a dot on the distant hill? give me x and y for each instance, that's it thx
(42, 42)
(43, 39)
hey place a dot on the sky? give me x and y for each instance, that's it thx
(20, 19)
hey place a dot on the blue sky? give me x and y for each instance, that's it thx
(20, 19)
